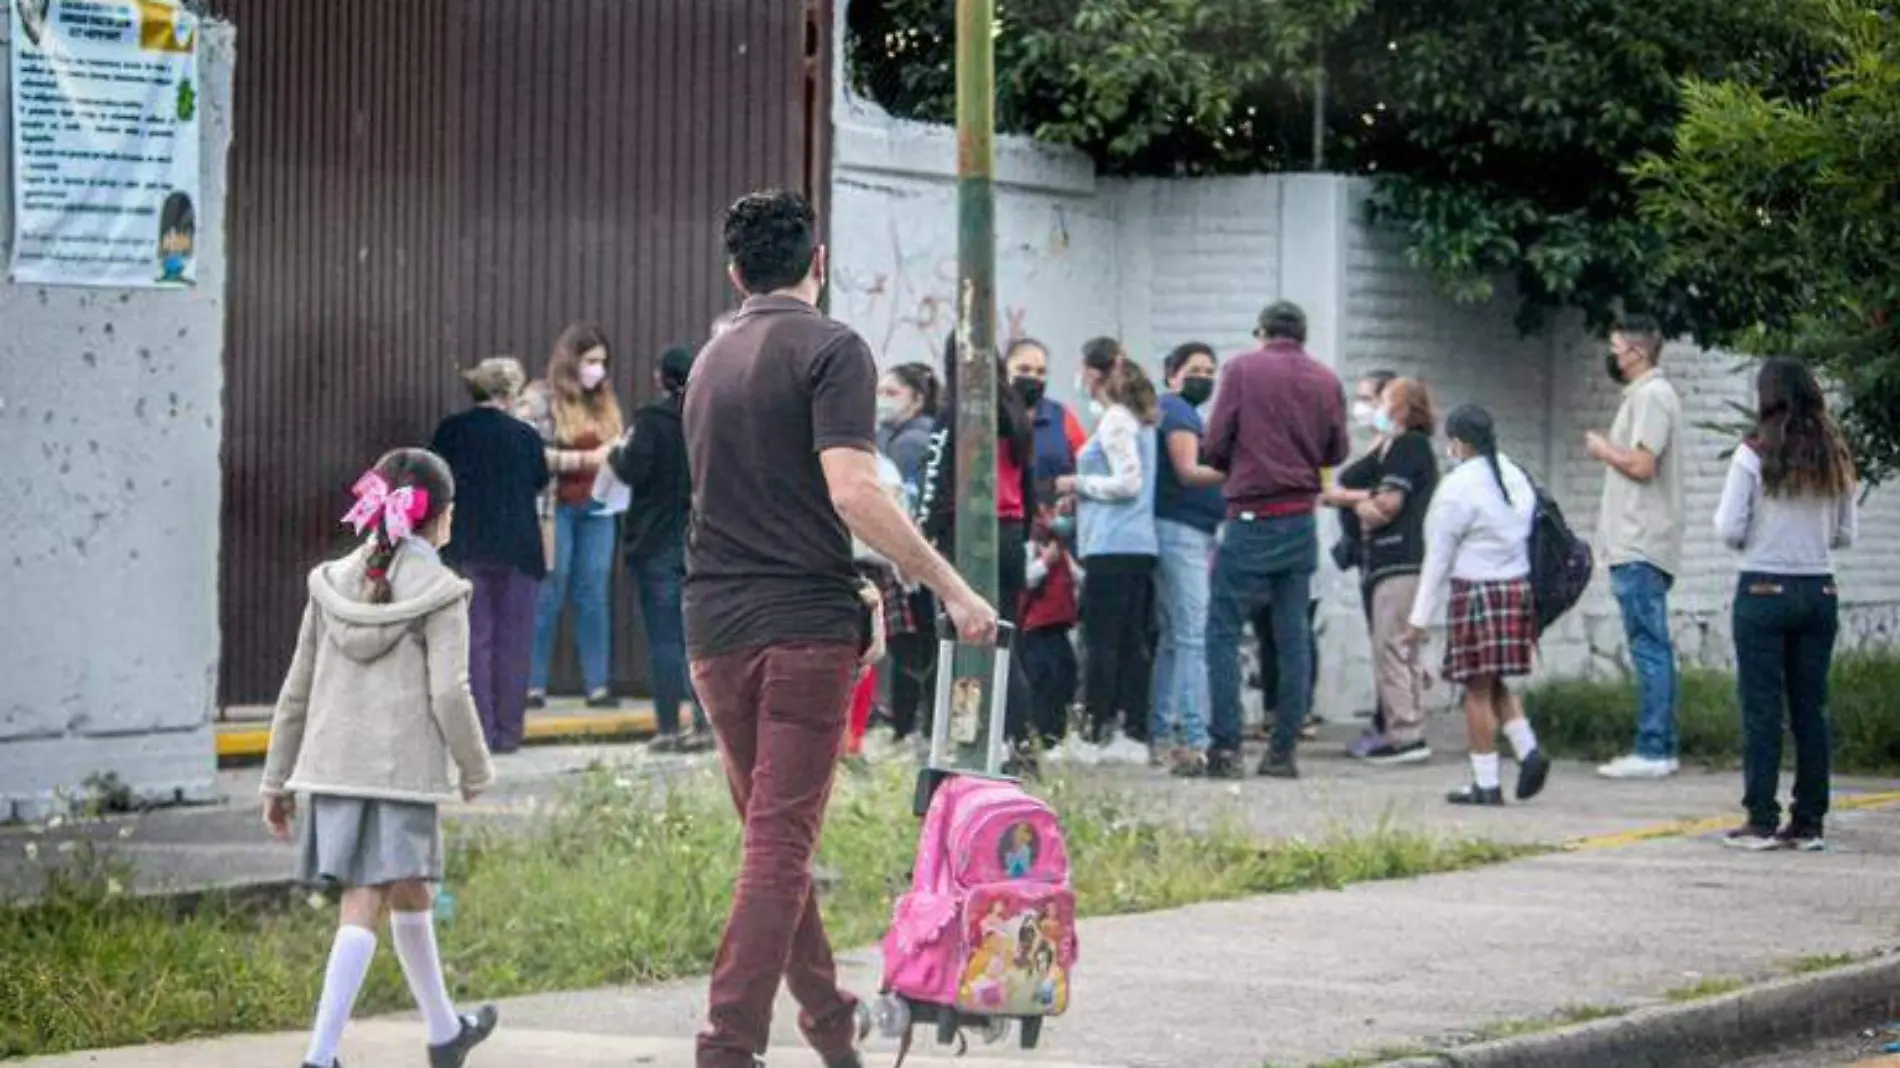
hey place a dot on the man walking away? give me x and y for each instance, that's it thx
(1279, 418)
(651, 460)
(1641, 533)
(781, 436)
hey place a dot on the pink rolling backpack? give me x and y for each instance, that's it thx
(986, 934)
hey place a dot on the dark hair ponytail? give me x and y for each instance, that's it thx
(413, 469)
(1474, 426)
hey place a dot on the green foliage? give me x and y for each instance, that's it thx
(1595, 720)
(1498, 138)
(1783, 221)
(622, 882)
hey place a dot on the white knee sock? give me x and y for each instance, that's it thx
(414, 935)
(1484, 769)
(350, 956)
(1523, 740)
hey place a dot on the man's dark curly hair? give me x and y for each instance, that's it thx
(770, 238)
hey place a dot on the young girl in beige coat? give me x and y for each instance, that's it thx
(375, 710)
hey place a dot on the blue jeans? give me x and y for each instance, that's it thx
(660, 577)
(1784, 645)
(1180, 675)
(1642, 592)
(1262, 562)
(583, 567)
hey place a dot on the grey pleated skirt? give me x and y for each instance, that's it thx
(356, 841)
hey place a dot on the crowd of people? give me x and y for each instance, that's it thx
(788, 516)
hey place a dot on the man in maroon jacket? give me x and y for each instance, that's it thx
(1279, 418)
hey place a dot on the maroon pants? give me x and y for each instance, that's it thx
(779, 714)
(500, 646)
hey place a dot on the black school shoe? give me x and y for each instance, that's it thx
(1279, 765)
(476, 1027)
(1532, 771)
(1473, 794)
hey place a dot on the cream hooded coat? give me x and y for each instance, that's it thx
(377, 703)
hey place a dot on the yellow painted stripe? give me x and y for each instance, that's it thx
(249, 740)
(1692, 828)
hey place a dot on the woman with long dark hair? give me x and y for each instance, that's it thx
(1015, 504)
(1787, 504)
(1477, 539)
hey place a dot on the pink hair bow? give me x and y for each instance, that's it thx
(399, 510)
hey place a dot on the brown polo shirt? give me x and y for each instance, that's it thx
(768, 559)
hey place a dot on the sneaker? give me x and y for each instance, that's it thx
(1122, 749)
(1473, 794)
(1391, 753)
(537, 700)
(1637, 767)
(1189, 764)
(698, 740)
(1801, 837)
(666, 743)
(1752, 838)
(1532, 770)
(1279, 766)
(1365, 744)
(1225, 764)
(476, 1027)
(602, 699)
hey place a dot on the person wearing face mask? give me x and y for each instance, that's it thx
(1641, 527)
(1015, 504)
(906, 417)
(579, 418)
(1360, 476)
(1391, 515)
(1477, 541)
(1059, 434)
(1114, 485)
(1188, 511)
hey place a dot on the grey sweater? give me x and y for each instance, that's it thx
(377, 701)
(1781, 535)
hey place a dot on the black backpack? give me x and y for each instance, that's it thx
(1561, 562)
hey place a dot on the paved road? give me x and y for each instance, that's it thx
(1860, 1049)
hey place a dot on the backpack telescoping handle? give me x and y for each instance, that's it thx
(949, 693)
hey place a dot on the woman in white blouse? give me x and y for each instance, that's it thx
(1788, 502)
(1477, 540)
(1114, 485)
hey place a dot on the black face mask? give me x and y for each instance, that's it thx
(1615, 369)
(1029, 389)
(1196, 391)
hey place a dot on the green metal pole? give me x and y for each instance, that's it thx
(976, 289)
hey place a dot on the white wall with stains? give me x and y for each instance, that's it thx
(110, 423)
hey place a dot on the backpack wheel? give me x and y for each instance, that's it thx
(891, 1016)
(995, 1029)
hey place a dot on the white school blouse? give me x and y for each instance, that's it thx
(1473, 533)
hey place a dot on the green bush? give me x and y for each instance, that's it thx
(621, 882)
(1597, 720)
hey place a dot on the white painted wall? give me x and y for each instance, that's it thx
(1157, 262)
(110, 422)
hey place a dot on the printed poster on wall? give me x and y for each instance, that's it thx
(105, 142)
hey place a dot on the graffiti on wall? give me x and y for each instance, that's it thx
(906, 306)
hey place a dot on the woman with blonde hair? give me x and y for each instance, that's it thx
(578, 417)
(1114, 485)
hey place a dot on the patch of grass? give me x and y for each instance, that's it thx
(1568, 1016)
(624, 881)
(1713, 987)
(1376, 1057)
(1823, 962)
(1594, 720)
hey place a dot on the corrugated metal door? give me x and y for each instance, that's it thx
(416, 185)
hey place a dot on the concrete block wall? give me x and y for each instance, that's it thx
(111, 417)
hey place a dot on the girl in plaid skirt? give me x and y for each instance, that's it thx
(1477, 536)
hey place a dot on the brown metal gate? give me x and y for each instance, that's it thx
(418, 184)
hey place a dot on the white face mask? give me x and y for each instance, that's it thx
(1097, 408)
(1382, 421)
(889, 410)
(1364, 414)
(592, 375)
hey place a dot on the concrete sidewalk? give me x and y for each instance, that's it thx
(1643, 903)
